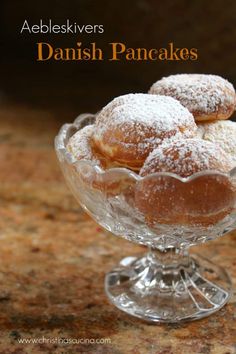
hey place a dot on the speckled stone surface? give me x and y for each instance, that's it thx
(54, 258)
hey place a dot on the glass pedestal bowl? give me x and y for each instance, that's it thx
(166, 213)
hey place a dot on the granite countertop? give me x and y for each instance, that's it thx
(54, 258)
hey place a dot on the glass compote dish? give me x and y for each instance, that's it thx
(166, 284)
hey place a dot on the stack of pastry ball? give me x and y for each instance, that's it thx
(178, 129)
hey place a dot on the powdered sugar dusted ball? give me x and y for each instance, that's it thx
(186, 157)
(203, 200)
(131, 126)
(222, 133)
(207, 97)
(79, 145)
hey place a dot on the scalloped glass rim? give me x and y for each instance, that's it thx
(60, 146)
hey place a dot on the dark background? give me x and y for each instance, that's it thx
(68, 88)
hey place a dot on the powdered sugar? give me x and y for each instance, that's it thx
(223, 133)
(198, 92)
(144, 119)
(79, 145)
(185, 157)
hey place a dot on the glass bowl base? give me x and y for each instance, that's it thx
(168, 289)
